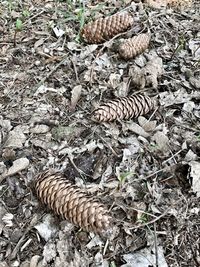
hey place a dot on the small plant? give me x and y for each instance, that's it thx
(122, 177)
(19, 24)
(153, 147)
(112, 264)
(143, 218)
(198, 137)
(25, 13)
(18, 28)
(81, 19)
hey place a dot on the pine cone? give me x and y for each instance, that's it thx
(179, 4)
(124, 108)
(134, 46)
(71, 202)
(104, 29)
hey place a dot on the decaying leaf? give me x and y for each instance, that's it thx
(156, 3)
(75, 96)
(47, 228)
(16, 138)
(162, 141)
(18, 165)
(145, 257)
(149, 75)
(178, 97)
(195, 175)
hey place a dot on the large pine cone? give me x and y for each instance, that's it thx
(134, 46)
(71, 202)
(124, 108)
(104, 29)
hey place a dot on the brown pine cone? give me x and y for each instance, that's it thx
(179, 4)
(104, 29)
(176, 4)
(124, 108)
(71, 202)
(134, 46)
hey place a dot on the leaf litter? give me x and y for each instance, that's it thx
(146, 170)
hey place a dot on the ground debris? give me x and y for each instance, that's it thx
(144, 169)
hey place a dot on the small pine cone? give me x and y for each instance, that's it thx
(179, 4)
(124, 108)
(104, 29)
(176, 4)
(71, 202)
(134, 46)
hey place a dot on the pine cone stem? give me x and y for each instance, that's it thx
(71, 202)
(124, 108)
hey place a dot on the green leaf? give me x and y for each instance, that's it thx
(112, 264)
(19, 25)
(25, 13)
(123, 176)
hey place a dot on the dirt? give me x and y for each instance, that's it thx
(146, 170)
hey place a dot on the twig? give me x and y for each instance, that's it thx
(31, 225)
(65, 59)
(156, 243)
(173, 156)
(150, 175)
(151, 222)
(75, 70)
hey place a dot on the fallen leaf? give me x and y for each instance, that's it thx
(162, 141)
(46, 228)
(16, 138)
(195, 175)
(145, 258)
(75, 96)
(18, 166)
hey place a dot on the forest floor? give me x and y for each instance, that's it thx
(146, 170)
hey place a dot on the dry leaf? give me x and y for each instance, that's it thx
(18, 166)
(195, 175)
(75, 96)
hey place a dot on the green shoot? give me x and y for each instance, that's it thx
(143, 218)
(18, 25)
(122, 177)
(25, 13)
(112, 264)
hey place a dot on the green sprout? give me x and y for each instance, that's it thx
(25, 13)
(198, 137)
(19, 25)
(143, 218)
(122, 177)
(112, 264)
